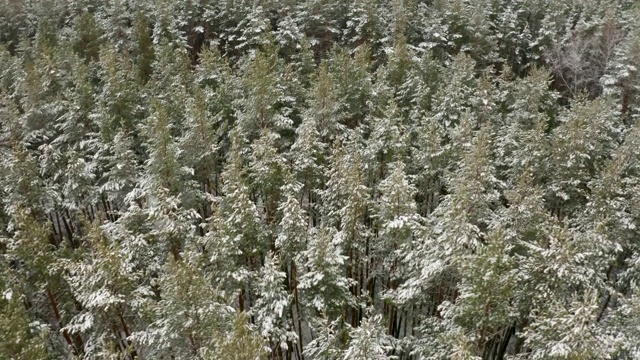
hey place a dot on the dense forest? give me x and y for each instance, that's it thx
(319, 179)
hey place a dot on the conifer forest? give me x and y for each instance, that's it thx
(320, 179)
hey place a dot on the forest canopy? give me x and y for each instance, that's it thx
(320, 179)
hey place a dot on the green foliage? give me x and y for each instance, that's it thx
(23, 339)
(241, 343)
(397, 179)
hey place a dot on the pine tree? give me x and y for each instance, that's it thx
(323, 285)
(263, 94)
(589, 128)
(450, 101)
(369, 340)
(268, 170)
(399, 224)
(236, 238)
(241, 343)
(364, 25)
(353, 84)
(110, 290)
(323, 108)
(165, 187)
(569, 332)
(473, 192)
(293, 229)
(389, 139)
(88, 34)
(118, 103)
(328, 340)
(143, 49)
(200, 148)
(191, 313)
(321, 21)
(24, 339)
(271, 308)
(307, 156)
(122, 171)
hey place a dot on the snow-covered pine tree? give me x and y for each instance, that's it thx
(110, 292)
(370, 340)
(191, 313)
(271, 309)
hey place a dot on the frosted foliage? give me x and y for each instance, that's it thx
(319, 179)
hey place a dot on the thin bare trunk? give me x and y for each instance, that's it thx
(56, 313)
